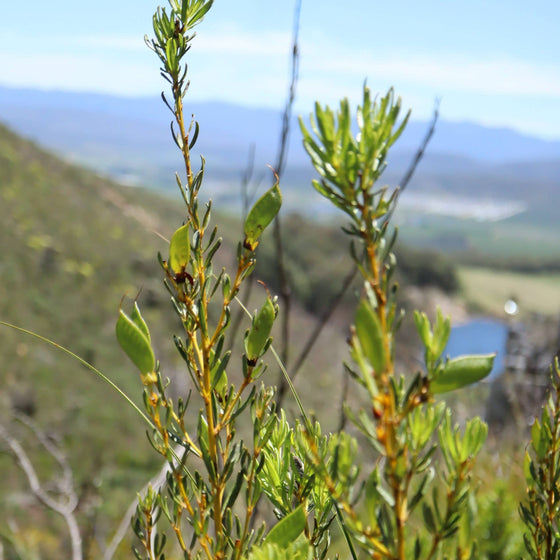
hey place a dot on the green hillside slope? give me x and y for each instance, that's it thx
(72, 245)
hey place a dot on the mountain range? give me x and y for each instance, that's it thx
(129, 139)
(113, 130)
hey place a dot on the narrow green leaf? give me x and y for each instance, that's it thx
(202, 433)
(199, 14)
(234, 492)
(325, 120)
(372, 496)
(226, 286)
(138, 320)
(475, 436)
(417, 549)
(423, 328)
(421, 490)
(442, 330)
(194, 137)
(394, 137)
(262, 213)
(527, 470)
(218, 374)
(180, 249)
(135, 343)
(370, 336)
(259, 333)
(171, 52)
(462, 371)
(429, 520)
(288, 529)
(538, 441)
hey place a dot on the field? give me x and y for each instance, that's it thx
(487, 290)
(505, 239)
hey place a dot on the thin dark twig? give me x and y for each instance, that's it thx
(342, 418)
(287, 116)
(319, 326)
(421, 150)
(245, 202)
(285, 289)
(415, 160)
(68, 501)
(326, 315)
(246, 180)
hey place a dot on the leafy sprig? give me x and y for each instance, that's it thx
(540, 510)
(405, 426)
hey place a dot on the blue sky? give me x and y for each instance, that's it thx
(493, 62)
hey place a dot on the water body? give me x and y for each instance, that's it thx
(479, 336)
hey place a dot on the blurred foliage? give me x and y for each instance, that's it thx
(540, 509)
(317, 270)
(402, 422)
(41, 196)
(73, 243)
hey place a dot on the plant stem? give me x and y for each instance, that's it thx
(389, 422)
(552, 461)
(206, 343)
(179, 115)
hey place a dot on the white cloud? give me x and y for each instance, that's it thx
(233, 41)
(132, 43)
(62, 44)
(79, 73)
(229, 64)
(325, 62)
(226, 40)
(495, 75)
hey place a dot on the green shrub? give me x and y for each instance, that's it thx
(216, 476)
(244, 479)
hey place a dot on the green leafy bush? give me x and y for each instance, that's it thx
(216, 478)
(542, 473)
(243, 479)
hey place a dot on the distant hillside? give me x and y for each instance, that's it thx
(72, 245)
(108, 132)
(466, 165)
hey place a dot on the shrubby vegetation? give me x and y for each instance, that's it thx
(309, 265)
(245, 478)
(216, 480)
